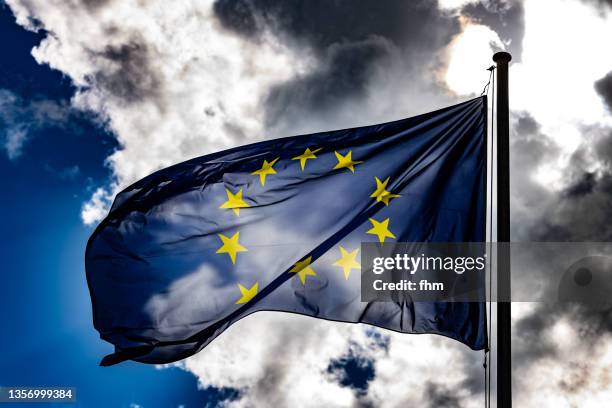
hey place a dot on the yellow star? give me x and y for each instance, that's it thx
(380, 229)
(247, 294)
(347, 262)
(381, 193)
(303, 269)
(266, 169)
(231, 246)
(346, 162)
(234, 201)
(308, 154)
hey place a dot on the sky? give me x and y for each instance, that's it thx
(95, 94)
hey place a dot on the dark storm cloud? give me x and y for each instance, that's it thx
(529, 149)
(601, 4)
(344, 73)
(473, 369)
(440, 396)
(531, 345)
(591, 322)
(506, 18)
(583, 211)
(350, 41)
(131, 77)
(604, 88)
(93, 4)
(529, 342)
(320, 23)
(604, 150)
(584, 186)
(238, 16)
(526, 125)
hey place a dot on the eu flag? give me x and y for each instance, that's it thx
(277, 226)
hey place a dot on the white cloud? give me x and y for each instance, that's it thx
(267, 353)
(20, 117)
(202, 86)
(279, 359)
(561, 61)
(15, 138)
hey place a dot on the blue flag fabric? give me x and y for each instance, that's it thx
(277, 226)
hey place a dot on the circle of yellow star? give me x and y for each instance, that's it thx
(380, 229)
(303, 269)
(308, 154)
(266, 169)
(234, 201)
(347, 261)
(381, 193)
(231, 246)
(247, 294)
(346, 162)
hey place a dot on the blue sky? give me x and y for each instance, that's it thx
(45, 308)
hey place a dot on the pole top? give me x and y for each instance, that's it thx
(502, 57)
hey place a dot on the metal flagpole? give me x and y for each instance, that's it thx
(504, 364)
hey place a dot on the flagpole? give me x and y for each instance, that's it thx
(504, 363)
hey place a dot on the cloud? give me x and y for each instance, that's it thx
(536, 83)
(95, 208)
(209, 75)
(404, 24)
(170, 85)
(504, 17)
(21, 118)
(276, 359)
(603, 5)
(67, 173)
(279, 359)
(562, 355)
(439, 395)
(561, 350)
(126, 72)
(531, 150)
(556, 140)
(364, 62)
(603, 87)
(15, 138)
(470, 54)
